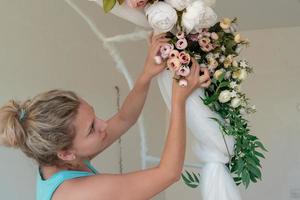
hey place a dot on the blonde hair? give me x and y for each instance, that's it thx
(45, 126)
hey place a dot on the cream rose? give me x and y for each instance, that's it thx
(235, 102)
(243, 74)
(238, 38)
(173, 64)
(225, 23)
(217, 74)
(224, 96)
(161, 16)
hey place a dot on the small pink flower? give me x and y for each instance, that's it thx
(204, 41)
(174, 54)
(207, 48)
(214, 36)
(173, 64)
(165, 50)
(157, 60)
(183, 83)
(193, 37)
(180, 35)
(207, 34)
(181, 44)
(183, 71)
(136, 3)
(184, 58)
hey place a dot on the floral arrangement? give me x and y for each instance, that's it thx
(195, 32)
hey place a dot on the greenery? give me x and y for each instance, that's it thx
(245, 164)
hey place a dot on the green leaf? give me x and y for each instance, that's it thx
(259, 144)
(108, 5)
(196, 178)
(255, 171)
(259, 154)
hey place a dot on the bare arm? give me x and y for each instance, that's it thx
(143, 184)
(134, 102)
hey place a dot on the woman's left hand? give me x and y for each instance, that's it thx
(151, 68)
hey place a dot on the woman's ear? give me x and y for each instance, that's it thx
(66, 155)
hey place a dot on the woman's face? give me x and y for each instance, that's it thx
(90, 132)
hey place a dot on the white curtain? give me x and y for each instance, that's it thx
(216, 182)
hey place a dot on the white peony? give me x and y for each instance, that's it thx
(161, 16)
(193, 15)
(236, 102)
(224, 96)
(209, 19)
(178, 4)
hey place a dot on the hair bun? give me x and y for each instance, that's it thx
(12, 133)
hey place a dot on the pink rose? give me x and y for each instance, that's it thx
(165, 50)
(193, 37)
(136, 3)
(214, 36)
(180, 35)
(204, 41)
(207, 47)
(173, 64)
(207, 34)
(174, 54)
(181, 44)
(183, 71)
(184, 58)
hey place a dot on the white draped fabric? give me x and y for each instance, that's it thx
(216, 182)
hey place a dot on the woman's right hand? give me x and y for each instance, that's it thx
(193, 81)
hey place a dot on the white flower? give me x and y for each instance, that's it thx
(225, 23)
(223, 48)
(243, 63)
(222, 59)
(216, 55)
(238, 38)
(224, 96)
(235, 63)
(233, 93)
(209, 56)
(178, 4)
(232, 84)
(193, 15)
(218, 73)
(239, 48)
(236, 102)
(208, 20)
(161, 16)
(227, 75)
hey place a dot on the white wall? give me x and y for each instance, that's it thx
(45, 45)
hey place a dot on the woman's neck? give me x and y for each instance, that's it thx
(48, 171)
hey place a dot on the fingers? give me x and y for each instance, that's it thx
(203, 78)
(155, 37)
(206, 84)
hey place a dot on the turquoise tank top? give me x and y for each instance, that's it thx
(46, 188)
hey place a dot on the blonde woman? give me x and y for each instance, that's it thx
(61, 132)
